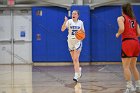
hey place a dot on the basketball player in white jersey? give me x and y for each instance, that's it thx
(75, 45)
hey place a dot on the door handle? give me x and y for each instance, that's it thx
(19, 40)
(22, 41)
(5, 41)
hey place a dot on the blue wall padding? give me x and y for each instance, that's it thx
(85, 17)
(105, 46)
(53, 43)
(136, 9)
(38, 46)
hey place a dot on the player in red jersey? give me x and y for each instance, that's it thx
(130, 31)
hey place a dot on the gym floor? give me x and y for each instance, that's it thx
(58, 79)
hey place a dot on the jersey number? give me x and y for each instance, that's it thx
(73, 32)
(132, 24)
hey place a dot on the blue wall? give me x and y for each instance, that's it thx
(53, 43)
(105, 46)
(100, 25)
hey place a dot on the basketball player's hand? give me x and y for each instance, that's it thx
(117, 35)
(66, 19)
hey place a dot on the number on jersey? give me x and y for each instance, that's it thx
(73, 32)
(132, 24)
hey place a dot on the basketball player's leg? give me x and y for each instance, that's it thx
(77, 65)
(71, 49)
(72, 54)
(75, 57)
(127, 74)
(77, 51)
(126, 60)
(134, 69)
(135, 72)
(134, 60)
(126, 67)
(76, 60)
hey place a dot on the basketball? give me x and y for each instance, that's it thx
(80, 34)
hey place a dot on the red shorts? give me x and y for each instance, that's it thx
(130, 48)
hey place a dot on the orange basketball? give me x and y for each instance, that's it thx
(80, 34)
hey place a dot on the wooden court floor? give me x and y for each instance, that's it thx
(58, 79)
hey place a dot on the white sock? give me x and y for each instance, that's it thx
(129, 84)
(80, 69)
(137, 83)
(76, 74)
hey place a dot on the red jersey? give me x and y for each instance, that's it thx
(130, 28)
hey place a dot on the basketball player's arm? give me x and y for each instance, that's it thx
(64, 24)
(120, 21)
(138, 30)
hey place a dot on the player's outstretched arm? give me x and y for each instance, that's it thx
(64, 24)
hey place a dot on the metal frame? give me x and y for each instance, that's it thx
(91, 3)
(12, 36)
(92, 6)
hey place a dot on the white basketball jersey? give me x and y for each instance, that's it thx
(73, 27)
